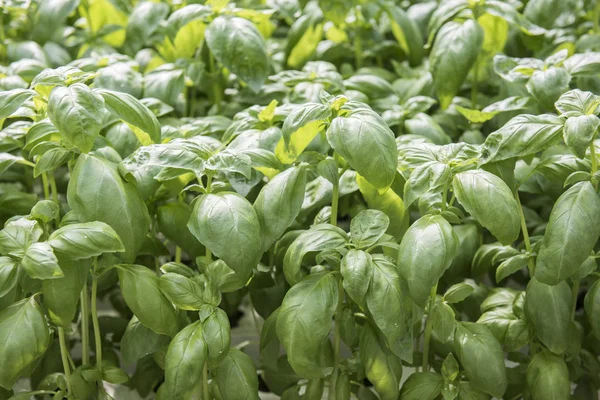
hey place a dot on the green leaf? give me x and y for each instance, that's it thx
(304, 322)
(458, 292)
(368, 227)
(579, 132)
(450, 368)
(571, 234)
(549, 310)
(487, 198)
(129, 109)
(279, 203)
(94, 178)
(217, 336)
(239, 46)
(364, 132)
(77, 113)
(45, 211)
(523, 135)
(453, 54)
(513, 103)
(547, 86)
(426, 251)
(185, 293)
(171, 219)
(140, 289)
(299, 128)
(236, 377)
(510, 266)
(14, 240)
(577, 102)
(269, 342)
(318, 238)
(443, 321)
(11, 100)
(139, 341)
(40, 262)
(407, 34)
(583, 64)
(592, 307)
(24, 337)
(184, 361)
(389, 303)
(510, 330)
(227, 224)
(422, 386)
(8, 275)
(548, 377)
(51, 160)
(90, 239)
(389, 203)
(383, 369)
(427, 178)
(357, 271)
(476, 346)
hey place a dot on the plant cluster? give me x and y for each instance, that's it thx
(393, 187)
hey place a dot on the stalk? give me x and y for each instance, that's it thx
(428, 328)
(358, 51)
(530, 263)
(53, 188)
(594, 162)
(474, 85)
(574, 298)
(85, 326)
(337, 335)
(96, 324)
(215, 83)
(45, 186)
(65, 359)
(177, 254)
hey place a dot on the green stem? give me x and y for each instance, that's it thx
(45, 186)
(597, 17)
(594, 161)
(574, 298)
(177, 254)
(358, 53)
(95, 323)
(206, 395)
(85, 326)
(65, 359)
(525, 234)
(428, 328)
(474, 84)
(215, 83)
(335, 198)
(53, 188)
(336, 340)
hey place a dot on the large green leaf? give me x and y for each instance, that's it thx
(426, 251)
(304, 322)
(184, 362)
(383, 370)
(487, 198)
(240, 47)
(357, 271)
(61, 296)
(139, 341)
(77, 113)
(453, 54)
(368, 227)
(362, 132)
(279, 203)
(477, 347)
(140, 289)
(217, 335)
(227, 224)
(571, 234)
(172, 219)
(24, 337)
(548, 377)
(86, 240)
(422, 386)
(95, 178)
(40, 262)
(549, 310)
(186, 293)
(11, 100)
(129, 109)
(236, 377)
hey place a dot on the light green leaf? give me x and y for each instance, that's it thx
(217, 336)
(548, 377)
(185, 293)
(579, 132)
(61, 296)
(236, 377)
(422, 386)
(383, 369)
(458, 292)
(139, 341)
(11, 100)
(368, 227)
(40, 262)
(90, 239)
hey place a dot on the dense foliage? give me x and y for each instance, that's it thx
(393, 187)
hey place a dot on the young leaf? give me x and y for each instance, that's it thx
(579, 132)
(185, 293)
(422, 386)
(368, 227)
(476, 346)
(487, 198)
(357, 271)
(303, 324)
(571, 234)
(458, 292)
(90, 239)
(40, 262)
(217, 336)
(227, 224)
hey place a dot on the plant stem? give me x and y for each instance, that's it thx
(594, 160)
(335, 198)
(97, 336)
(177, 254)
(358, 53)
(215, 83)
(53, 187)
(336, 341)
(525, 234)
(65, 359)
(206, 395)
(85, 326)
(428, 328)
(45, 186)
(596, 17)
(574, 298)
(474, 85)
